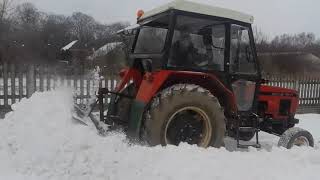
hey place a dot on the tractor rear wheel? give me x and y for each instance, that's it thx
(184, 113)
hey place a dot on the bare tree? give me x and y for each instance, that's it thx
(259, 36)
(54, 34)
(28, 15)
(5, 7)
(83, 27)
(287, 42)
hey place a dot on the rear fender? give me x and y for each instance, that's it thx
(152, 83)
(207, 81)
(127, 75)
(149, 87)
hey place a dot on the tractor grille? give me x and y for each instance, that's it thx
(284, 109)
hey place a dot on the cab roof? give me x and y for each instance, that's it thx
(198, 8)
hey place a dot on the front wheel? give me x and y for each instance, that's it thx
(184, 113)
(296, 137)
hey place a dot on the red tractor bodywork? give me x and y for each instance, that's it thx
(151, 83)
(275, 105)
(279, 102)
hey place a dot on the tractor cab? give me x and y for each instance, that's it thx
(187, 36)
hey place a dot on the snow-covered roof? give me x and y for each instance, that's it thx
(129, 28)
(69, 45)
(194, 7)
(105, 49)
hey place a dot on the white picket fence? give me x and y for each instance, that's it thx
(17, 83)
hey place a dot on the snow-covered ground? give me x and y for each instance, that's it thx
(39, 140)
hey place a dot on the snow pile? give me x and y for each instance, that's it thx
(39, 140)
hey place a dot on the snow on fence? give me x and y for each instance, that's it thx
(19, 81)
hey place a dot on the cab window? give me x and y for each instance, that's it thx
(241, 53)
(198, 44)
(152, 36)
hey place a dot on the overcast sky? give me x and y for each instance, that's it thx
(272, 16)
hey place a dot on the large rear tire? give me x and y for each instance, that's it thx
(184, 113)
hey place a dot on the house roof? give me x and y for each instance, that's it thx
(194, 7)
(70, 45)
(105, 49)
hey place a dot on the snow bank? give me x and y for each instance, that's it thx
(38, 140)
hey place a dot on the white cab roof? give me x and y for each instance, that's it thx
(194, 7)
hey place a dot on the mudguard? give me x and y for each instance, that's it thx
(152, 83)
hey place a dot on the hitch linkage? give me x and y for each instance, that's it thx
(101, 95)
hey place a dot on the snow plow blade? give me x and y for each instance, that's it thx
(80, 115)
(85, 116)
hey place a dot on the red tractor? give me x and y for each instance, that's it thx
(194, 77)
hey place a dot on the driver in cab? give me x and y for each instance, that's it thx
(184, 53)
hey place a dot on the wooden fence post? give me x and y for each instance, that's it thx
(30, 80)
(13, 83)
(20, 76)
(48, 76)
(41, 75)
(5, 84)
(297, 84)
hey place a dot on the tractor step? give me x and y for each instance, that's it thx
(249, 129)
(245, 146)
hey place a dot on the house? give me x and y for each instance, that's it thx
(111, 56)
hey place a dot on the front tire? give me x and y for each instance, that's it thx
(184, 113)
(296, 137)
